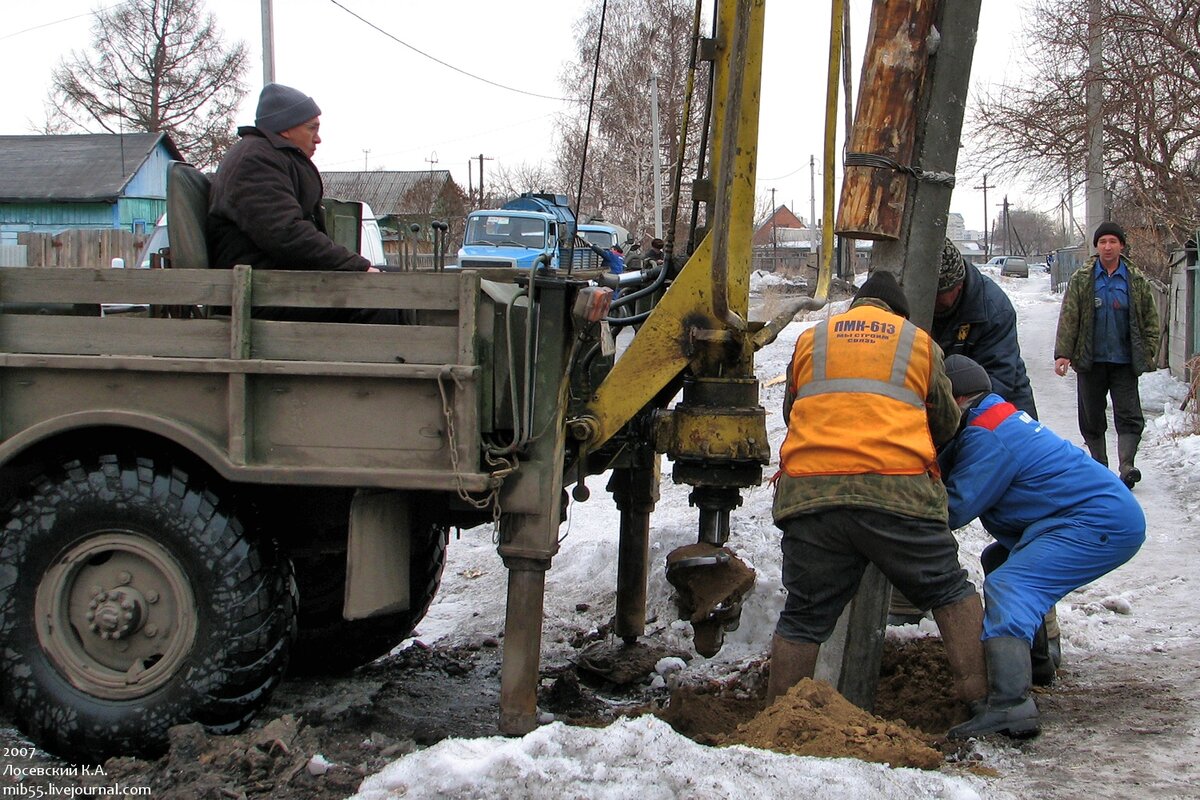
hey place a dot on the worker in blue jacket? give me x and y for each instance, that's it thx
(973, 317)
(1064, 518)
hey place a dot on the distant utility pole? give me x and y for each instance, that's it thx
(812, 206)
(1095, 98)
(365, 154)
(481, 160)
(985, 187)
(1007, 230)
(658, 226)
(268, 36)
(774, 237)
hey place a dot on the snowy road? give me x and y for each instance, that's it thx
(1123, 720)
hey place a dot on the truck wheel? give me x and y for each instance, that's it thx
(329, 644)
(132, 600)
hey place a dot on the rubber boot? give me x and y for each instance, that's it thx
(1042, 666)
(960, 625)
(1127, 447)
(1053, 636)
(1097, 448)
(1009, 709)
(791, 662)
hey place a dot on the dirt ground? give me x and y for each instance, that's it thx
(320, 738)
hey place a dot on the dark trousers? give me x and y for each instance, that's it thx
(1093, 389)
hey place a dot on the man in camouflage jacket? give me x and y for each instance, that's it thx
(1108, 332)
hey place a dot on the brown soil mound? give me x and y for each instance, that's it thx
(915, 686)
(708, 712)
(812, 719)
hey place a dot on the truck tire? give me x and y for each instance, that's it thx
(132, 600)
(328, 644)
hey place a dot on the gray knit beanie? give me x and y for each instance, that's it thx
(282, 107)
(967, 378)
(953, 269)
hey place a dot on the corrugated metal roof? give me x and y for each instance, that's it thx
(389, 192)
(86, 167)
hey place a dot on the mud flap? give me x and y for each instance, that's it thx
(378, 555)
(710, 583)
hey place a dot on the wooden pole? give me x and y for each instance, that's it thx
(873, 198)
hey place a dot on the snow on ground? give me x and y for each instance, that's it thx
(1137, 622)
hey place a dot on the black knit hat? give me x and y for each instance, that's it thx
(882, 286)
(953, 269)
(967, 378)
(282, 107)
(1108, 228)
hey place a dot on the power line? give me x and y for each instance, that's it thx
(435, 59)
(64, 19)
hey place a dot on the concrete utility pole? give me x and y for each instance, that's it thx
(268, 37)
(1095, 121)
(985, 186)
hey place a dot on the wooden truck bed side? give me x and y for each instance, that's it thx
(262, 401)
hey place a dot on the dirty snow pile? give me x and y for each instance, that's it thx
(644, 758)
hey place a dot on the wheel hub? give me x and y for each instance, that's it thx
(116, 613)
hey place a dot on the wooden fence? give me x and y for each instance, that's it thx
(81, 248)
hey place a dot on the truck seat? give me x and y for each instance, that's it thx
(187, 210)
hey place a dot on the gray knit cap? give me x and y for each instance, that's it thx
(967, 378)
(282, 107)
(953, 268)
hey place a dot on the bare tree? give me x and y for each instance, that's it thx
(1033, 232)
(642, 38)
(1037, 128)
(154, 65)
(508, 182)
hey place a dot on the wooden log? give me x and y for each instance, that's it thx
(873, 199)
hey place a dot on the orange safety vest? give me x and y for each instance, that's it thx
(860, 382)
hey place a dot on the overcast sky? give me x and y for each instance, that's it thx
(386, 106)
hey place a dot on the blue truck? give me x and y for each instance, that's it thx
(531, 228)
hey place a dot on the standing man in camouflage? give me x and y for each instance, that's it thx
(868, 402)
(1108, 333)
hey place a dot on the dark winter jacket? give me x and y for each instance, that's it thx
(1077, 318)
(983, 327)
(264, 209)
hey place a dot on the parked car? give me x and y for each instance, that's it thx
(1014, 266)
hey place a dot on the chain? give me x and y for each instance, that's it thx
(493, 497)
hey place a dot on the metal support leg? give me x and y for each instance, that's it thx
(522, 645)
(635, 492)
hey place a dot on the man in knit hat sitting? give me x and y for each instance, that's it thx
(867, 403)
(264, 207)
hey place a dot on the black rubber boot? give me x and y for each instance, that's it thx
(1097, 448)
(1009, 710)
(1043, 666)
(1127, 447)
